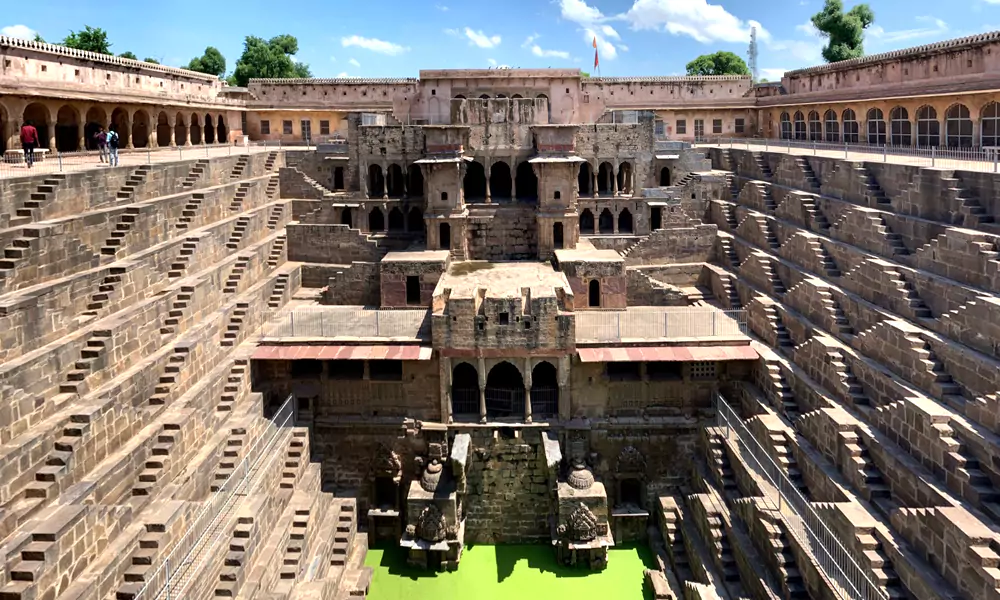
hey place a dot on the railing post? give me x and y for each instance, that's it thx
(994, 153)
(378, 323)
(933, 155)
(149, 155)
(291, 322)
(885, 152)
(765, 144)
(845, 149)
(714, 314)
(59, 156)
(167, 575)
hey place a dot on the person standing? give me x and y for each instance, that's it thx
(112, 140)
(29, 141)
(101, 139)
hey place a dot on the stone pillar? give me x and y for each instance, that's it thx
(128, 126)
(364, 178)
(51, 124)
(614, 182)
(406, 182)
(172, 124)
(593, 173)
(482, 390)
(445, 370)
(527, 390)
(513, 180)
(565, 400)
(385, 188)
(489, 171)
(81, 132)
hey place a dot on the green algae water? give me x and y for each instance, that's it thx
(510, 572)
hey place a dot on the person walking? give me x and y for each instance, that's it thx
(112, 140)
(29, 141)
(101, 140)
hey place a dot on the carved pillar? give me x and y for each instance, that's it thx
(81, 129)
(489, 170)
(593, 173)
(445, 368)
(127, 134)
(172, 124)
(51, 125)
(482, 390)
(385, 186)
(614, 181)
(565, 400)
(527, 390)
(364, 179)
(513, 179)
(406, 182)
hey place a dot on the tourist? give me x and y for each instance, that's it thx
(101, 139)
(112, 139)
(29, 141)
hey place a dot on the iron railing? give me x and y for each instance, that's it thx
(978, 158)
(658, 323)
(12, 164)
(849, 580)
(171, 579)
(338, 321)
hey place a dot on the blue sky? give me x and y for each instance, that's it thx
(396, 38)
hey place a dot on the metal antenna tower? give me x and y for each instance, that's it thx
(752, 53)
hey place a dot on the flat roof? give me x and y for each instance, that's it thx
(417, 256)
(589, 254)
(502, 280)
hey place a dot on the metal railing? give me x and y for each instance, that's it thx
(12, 164)
(984, 159)
(838, 564)
(658, 323)
(338, 321)
(171, 579)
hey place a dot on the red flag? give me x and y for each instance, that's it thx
(595, 52)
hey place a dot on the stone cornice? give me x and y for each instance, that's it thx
(336, 81)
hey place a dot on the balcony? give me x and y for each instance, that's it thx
(348, 323)
(660, 324)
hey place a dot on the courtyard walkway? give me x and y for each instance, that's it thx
(984, 160)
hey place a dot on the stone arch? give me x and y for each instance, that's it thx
(195, 131)
(852, 131)
(37, 114)
(606, 222)
(832, 126)
(459, 97)
(786, 126)
(516, 97)
(464, 389)
(504, 391)
(557, 235)
(376, 181)
(338, 178)
(376, 220)
(875, 127)
(120, 123)
(346, 217)
(604, 174)
(141, 127)
(625, 221)
(800, 125)
(223, 130)
(655, 218)
(989, 125)
(394, 183)
(484, 97)
(958, 126)
(815, 126)
(444, 236)
(525, 181)
(416, 183)
(548, 104)
(585, 179)
(664, 177)
(95, 118)
(415, 220)
(594, 294)
(928, 127)
(501, 181)
(68, 129)
(474, 182)
(900, 129)
(544, 389)
(209, 131)
(625, 178)
(162, 130)
(180, 130)
(397, 222)
(586, 221)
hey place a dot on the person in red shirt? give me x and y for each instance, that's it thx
(29, 141)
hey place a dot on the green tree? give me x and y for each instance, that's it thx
(720, 63)
(91, 39)
(151, 60)
(844, 30)
(272, 58)
(212, 62)
(128, 55)
(39, 38)
(584, 74)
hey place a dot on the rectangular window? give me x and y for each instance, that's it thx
(682, 126)
(413, 289)
(658, 127)
(306, 127)
(265, 128)
(286, 127)
(324, 128)
(345, 369)
(623, 371)
(665, 371)
(699, 128)
(739, 126)
(306, 369)
(716, 125)
(243, 121)
(385, 370)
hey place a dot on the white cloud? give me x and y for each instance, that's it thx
(355, 63)
(695, 18)
(18, 31)
(593, 25)
(605, 48)
(492, 61)
(578, 11)
(538, 51)
(531, 39)
(878, 35)
(373, 44)
(441, 7)
(343, 74)
(481, 39)
(610, 32)
(773, 74)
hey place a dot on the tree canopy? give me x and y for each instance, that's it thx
(91, 39)
(211, 62)
(720, 63)
(151, 60)
(128, 55)
(272, 58)
(844, 30)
